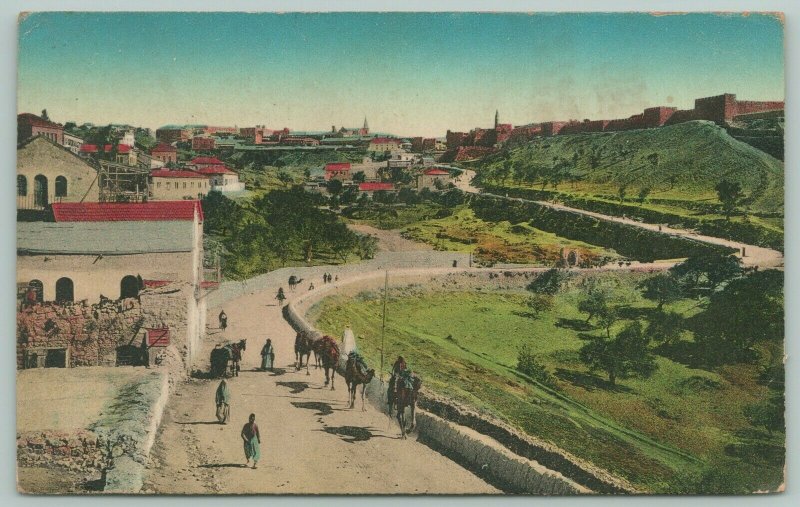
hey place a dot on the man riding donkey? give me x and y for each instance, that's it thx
(403, 392)
(399, 371)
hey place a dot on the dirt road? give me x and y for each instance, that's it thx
(312, 443)
(390, 240)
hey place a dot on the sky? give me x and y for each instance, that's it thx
(407, 73)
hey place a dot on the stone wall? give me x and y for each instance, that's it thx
(78, 451)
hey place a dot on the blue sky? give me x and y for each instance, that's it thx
(408, 73)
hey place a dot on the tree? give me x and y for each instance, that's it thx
(623, 190)
(335, 186)
(538, 303)
(666, 327)
(706, 272)
(768, 413)
(528, 364)
(307, 174)
(662, 288)
(643, 193)
(628, 353)
(285, 177)
(595, 302)
(366, 247)
(730, 195)
(359, 177)
(549, 282)
(220, 213)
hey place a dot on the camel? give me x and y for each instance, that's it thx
(328, 351)
(294, 282)
(405, 397)
(354, 375)
(303, 345)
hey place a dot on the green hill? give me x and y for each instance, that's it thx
(677, 166)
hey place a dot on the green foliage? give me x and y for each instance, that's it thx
(539, 303)
(706, 272)
(666, 327)
(334, 186)
(221, 213)
(622, 356)
(747, 311)
(769, 413)
(662, 288)
(528, 364)
(730, 195)
(550, 282)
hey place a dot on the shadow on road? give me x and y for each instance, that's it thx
(351, 434)
(223, 465)
(320, 407)
(197, 422)
(296, 387)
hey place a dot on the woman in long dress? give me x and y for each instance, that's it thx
(223, 401)
(267, 356)
(252, 441)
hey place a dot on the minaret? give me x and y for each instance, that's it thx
(496, 118)
(366, 125)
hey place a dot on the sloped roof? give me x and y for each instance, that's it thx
(166, 173)
(163, 147)
(436, 172)
(36, 121)
(107, 238)
(214, 169)
(127, 212)
(382, 140)
(207, 160)
(337, 166)
(373, 186)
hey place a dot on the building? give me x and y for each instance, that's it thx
(299, 141)
(172, 133)
(128, 138)
(29, 125)
(101, 283)
(371, 187)
(383, 144)
(172, 185)
(434, 179)
(220, 178)
(201, 162)
(203, 143)
(72, 143)
(337, 171)
(48, 173)
(126, 155)
(165, 153)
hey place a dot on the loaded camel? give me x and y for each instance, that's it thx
(356, 372)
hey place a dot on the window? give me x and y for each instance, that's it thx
(129, 287)
(22, 185)
(61, 186)
(40, 190)
(158, 184)
(36, 290)
(65, 292)
(184, 184)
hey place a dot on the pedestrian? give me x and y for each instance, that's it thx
(252, 441)
(223, 320)
(223, 402)
(267, 356)
(311, 287)
(336, 279)
(348, 341)
(281, 297)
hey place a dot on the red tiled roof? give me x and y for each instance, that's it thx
(337, 166)
(127, 212)
(164, 148)
(436, 172)
(166, 173)
(207, 161)
(36, 121)
(214, 169)
(123, 148)
(372, 186)
(383, 140)
(88, 148)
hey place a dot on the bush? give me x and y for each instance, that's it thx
(549, 282)
(531, 367)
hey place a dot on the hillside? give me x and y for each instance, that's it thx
(677, 165)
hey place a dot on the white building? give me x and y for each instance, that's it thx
(72, 143)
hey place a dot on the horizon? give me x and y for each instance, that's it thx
(409, 74)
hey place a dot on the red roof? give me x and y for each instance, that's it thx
(164, 148)
(373, 186)
(166, 173)
(152, 211)
(207, 161)
(337, 166)
(214, 169)
(88, 148)
(154, 284)
(36, 121)
(383, 140)
(123, 148)
(436, 172)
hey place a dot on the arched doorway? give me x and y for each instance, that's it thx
(61, 186)
(65, 290)
(129, 287)
(40, 190)
(22, 186)
(38, 287)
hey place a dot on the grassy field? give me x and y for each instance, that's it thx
(680, 163)
(661, 433)
(499, 242)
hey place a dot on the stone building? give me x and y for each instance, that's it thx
(109, 275)
(172, 185)
(433, 179)
(165, 153)
(48, 173)
(383, 145)
(29, 125)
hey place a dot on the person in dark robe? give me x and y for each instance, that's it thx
(252, 441)
(223, 402)
(267, 356)
(223, 320)
(397, 369)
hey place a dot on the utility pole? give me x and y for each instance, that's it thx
(383, 325)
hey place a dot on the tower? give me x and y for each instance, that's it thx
(496, 118)
(365, 128)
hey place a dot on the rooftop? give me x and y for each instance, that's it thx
(337, 166)
(373, 186)
(163, 147)
(214, 169)
(207, 161)
(127, 212)
(108, 238)
(37, 121)
(166, 173)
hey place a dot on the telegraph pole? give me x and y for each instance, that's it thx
(383, 325)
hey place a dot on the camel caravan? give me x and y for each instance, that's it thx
(344, 359)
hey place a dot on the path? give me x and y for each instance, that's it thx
(312, 442)
(754, 255)
(390, 240)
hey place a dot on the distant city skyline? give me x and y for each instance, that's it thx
(408, 74)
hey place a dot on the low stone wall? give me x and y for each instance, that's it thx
(80, 451)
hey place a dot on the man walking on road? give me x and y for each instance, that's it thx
(223, 401)
(252, 441)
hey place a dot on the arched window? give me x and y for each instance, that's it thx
(38, 290)
(40, 190)
(65, 292)
(61, 186)
(22, 185)
(129, 287)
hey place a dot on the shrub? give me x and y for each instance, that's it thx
(528, 364)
